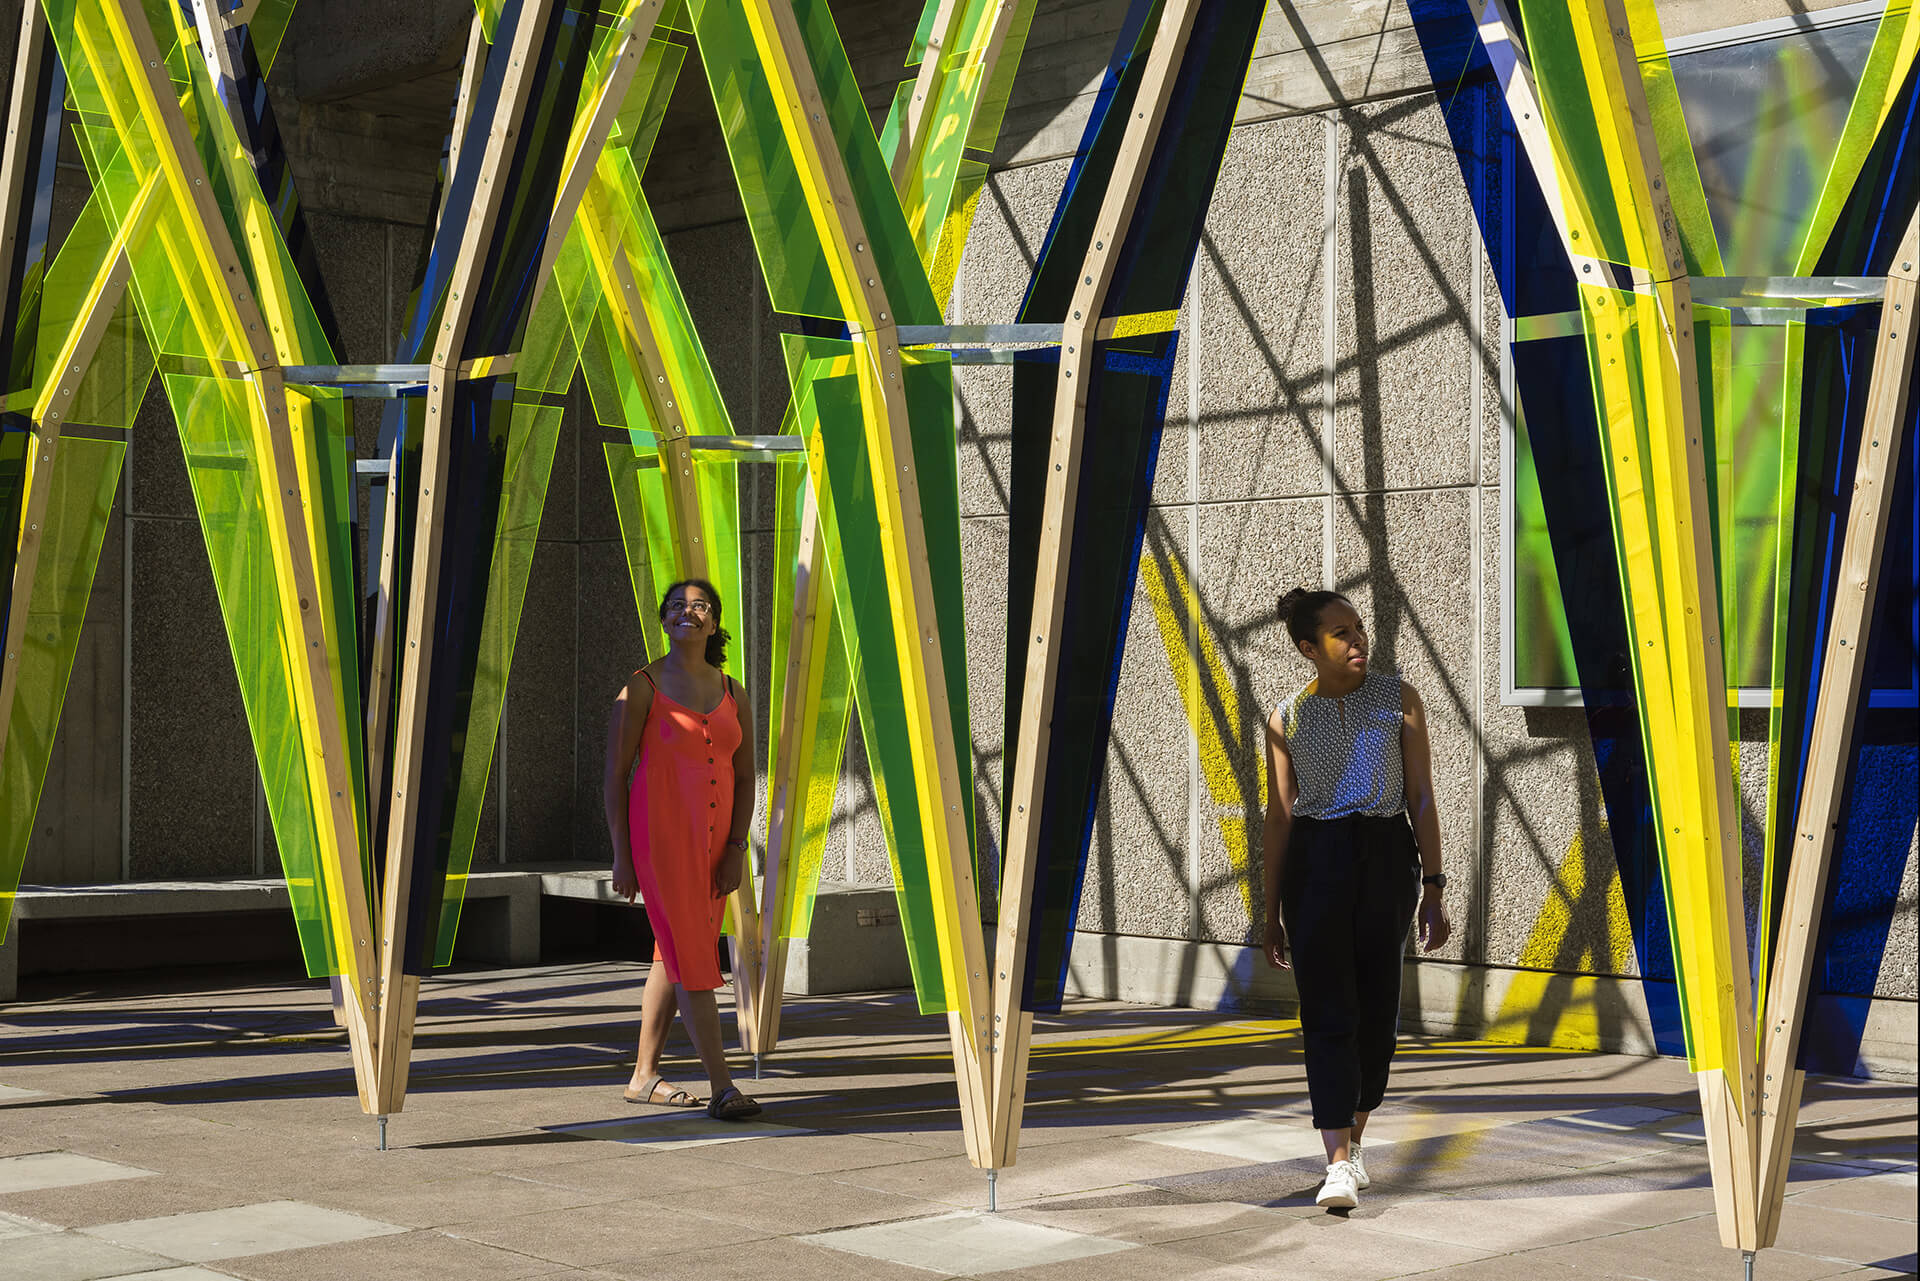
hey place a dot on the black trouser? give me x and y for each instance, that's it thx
(1348, 891)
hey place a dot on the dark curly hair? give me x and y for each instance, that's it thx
(716, 643)
(1300, 610)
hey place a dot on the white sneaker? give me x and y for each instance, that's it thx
(1341, 1191)
(1360, 1179)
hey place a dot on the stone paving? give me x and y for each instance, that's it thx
(191, 1128)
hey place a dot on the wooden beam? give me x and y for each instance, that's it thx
(787, 816)
(28, 62)
(592, 140)
(154, 96)
(471, 72)
(1078, 368)
(784, 830)
(1843, 673)
(49, 416)
(1727, 1095)
(912, 126)
(398, 997)
(897, 488)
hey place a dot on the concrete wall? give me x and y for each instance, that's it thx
(1335, 419)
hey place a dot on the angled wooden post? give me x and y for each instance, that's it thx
(787, 815)
(842, 232)
(49, 418)
(1079, 366)
(786, 825)
(399, 991)
(1843, 671)
(1686, 687)
(153, 95)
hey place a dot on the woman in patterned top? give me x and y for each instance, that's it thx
(1351, 838)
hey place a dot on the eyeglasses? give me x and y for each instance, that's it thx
(700, 608)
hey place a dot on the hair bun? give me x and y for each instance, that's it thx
(1291, 601)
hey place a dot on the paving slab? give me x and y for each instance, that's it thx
(241, 1230)
(60, 1170)
(13, 1225)
(514, 1158)
(64, 1256)
(8, 1093)
(968, 1244)
(410, 1256)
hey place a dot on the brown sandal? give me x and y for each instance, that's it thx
(731, 1105)
(677, 1098)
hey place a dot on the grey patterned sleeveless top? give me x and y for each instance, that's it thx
(1346, 751)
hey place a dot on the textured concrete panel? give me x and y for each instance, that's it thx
(1137, 877)
(866, 840)
(1003, 247)
(983, 549)
(544, 704)
(192, 786)
(1899, 971)
(1406, 262)
(1406, 561)
(76, 829)
(1248, 554)
(1261, 344)
(984, 423)
(1553, 898)
(717, 268)
(579, 475)
(156, 468)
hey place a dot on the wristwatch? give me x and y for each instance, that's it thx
(1438, 880)
(740, 844)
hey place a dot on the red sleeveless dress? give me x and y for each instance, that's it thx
(679, 809)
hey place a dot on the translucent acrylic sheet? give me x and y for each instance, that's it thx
(1542, 643)
(1885, 82)
(222, 438)
(623, 473)
(968, 101)
(864, 596)
(825, 699)
(186, 308)
(1680, 172)
(34, 145)
(637, 127)
(85, 475)
(1765, 118)
(112, 387)
(1683, 723)
(15, 441)
(530, 180)
(1596, 149)
(779, 193)
(1125, 413)
(532, 437)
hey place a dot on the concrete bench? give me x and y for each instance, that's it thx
(856, 943)
(499, 922)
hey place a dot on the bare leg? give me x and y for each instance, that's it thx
(656, 1020)
(1339, 1144)
(1359, 1126)
(703, 1025)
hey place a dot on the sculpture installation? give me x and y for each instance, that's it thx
(374, 701)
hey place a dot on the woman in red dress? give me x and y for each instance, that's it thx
(679, 797)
